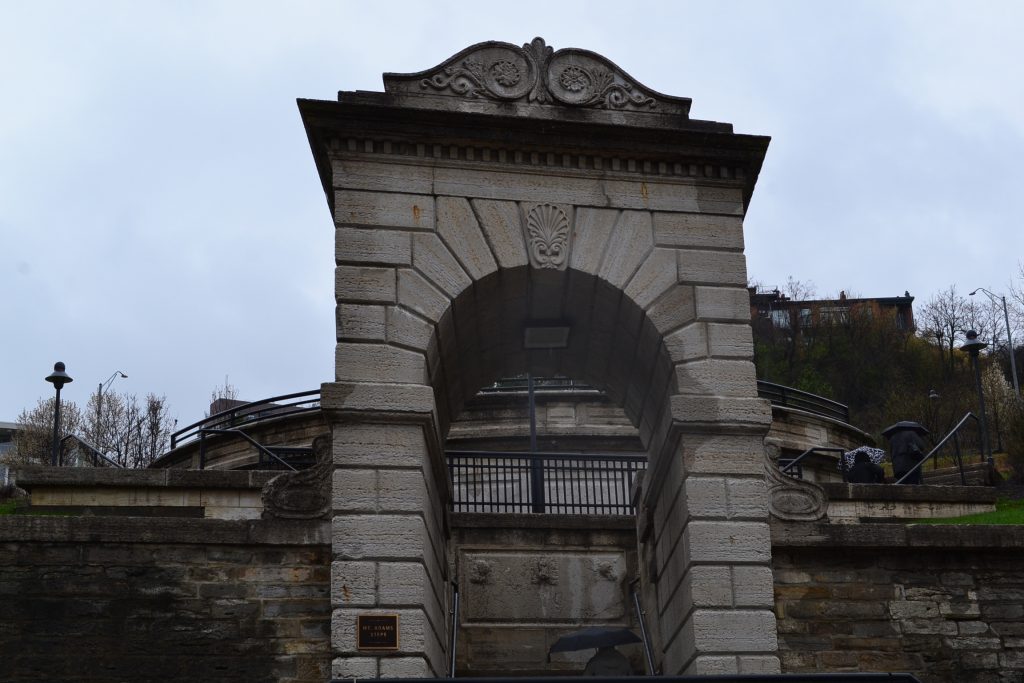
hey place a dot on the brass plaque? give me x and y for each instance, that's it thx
(377, 632)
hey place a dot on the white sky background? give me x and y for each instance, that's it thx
(160, 211)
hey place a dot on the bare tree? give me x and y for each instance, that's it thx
(33, 442)
(798, 290)
(946, 318)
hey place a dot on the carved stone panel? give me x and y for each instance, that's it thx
(791, 499)
(547, 236)
(535, 73)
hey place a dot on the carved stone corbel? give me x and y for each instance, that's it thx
(305, 494)
(791, 499)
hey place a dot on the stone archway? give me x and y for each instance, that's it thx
(513, 189)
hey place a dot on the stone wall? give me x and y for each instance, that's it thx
(526, 580)
(945, 603)
(114, 599)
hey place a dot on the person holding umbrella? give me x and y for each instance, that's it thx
(906, 448)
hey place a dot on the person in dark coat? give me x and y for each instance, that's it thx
(864, 471)
(907, 448)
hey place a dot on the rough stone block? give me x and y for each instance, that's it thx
(748, 498)
(713, 377)
(590, 234)
(379, 537)
(746, 631)
(730, 340)
(405, 328)
(404, 584)
(721, 411)
(383, 209)
(369, 445)
(723, 304)
(363, 323)
(711, 586)
(401, 491)
(630, 242)
(503, 227)
(377, 397)
(355, 490)
(353, 584)
(727, 542)
(380, 363)
(459, 228)
(433, 260)
(713, 665)
(752, 586)
(406, 667)
(358, 284)
(764, 664)
(368, 246)
(699, 230)
(413, 629)
(700, 266)
(673, 309)
(354, 667)
(687, 343)
(721, 455)
(352, 174)
(706, 497)
(415, 293)
(656, 274)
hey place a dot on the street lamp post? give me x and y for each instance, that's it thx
(99, 402)
(58, 378)
(972, 346)
(1009, 338)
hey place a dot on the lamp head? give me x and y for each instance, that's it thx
(58, 377)
(972, 345)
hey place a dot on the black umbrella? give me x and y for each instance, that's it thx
(594, 637)
(905, 425)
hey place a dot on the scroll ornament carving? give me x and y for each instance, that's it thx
(791, 499)
(547, 236)
(305, 494)
(535, 73)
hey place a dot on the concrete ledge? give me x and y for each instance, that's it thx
(891, 492)
(795, 534)
(501, 520)
(22, 528)
(31, 476)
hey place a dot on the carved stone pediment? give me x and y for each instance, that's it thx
(305, 494)
(536, 74)
(791, 499)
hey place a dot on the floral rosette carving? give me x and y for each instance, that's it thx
(536, 74)
(547, 236)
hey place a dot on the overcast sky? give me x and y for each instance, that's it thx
(160, 211)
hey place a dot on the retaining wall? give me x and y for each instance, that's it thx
(114, 599)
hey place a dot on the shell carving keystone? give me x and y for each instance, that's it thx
(547, 236)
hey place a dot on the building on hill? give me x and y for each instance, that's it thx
(788, 314)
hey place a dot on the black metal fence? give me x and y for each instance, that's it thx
(553, 483)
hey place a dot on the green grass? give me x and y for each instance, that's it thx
(1006, 512)
(7, 507)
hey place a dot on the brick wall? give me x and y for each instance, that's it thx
(114, 599)
(944, 603)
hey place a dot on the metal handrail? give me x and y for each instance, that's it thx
(455, 630)
(273, 407)
(816, 449)
(789, 397)
(95, 452)
(239, 432)
(953, 434)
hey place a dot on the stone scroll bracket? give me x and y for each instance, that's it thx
(536, 74)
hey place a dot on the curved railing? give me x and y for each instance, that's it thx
(789, 397)
(248, 414)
